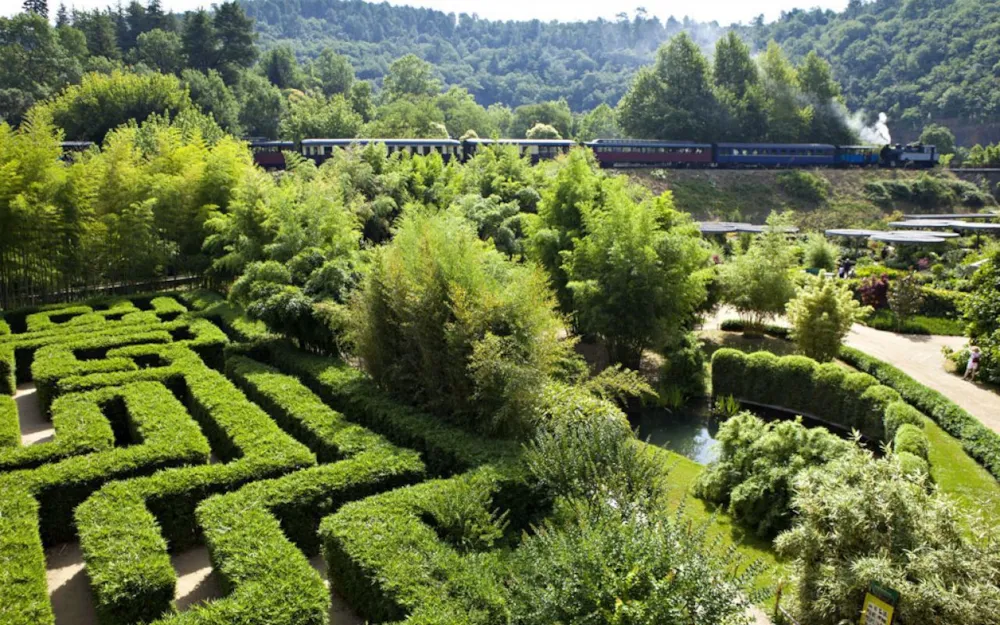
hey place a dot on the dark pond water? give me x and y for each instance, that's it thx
(690, 431)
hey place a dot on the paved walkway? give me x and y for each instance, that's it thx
(919, 357)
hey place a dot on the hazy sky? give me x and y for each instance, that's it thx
(724, 11)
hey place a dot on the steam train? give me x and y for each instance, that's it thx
(618, 153)
(630, 153)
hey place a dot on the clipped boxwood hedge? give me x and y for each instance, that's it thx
(231, 319)
(126, 526)
(388, 562)
(445, 448)
(802, 385)
(911, 439)
(81, 428)
(24, 593)
(10, 427)
(980, 442)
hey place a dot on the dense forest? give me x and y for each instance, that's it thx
(917, 60)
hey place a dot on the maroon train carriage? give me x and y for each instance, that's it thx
(270, 154)
(634, 153)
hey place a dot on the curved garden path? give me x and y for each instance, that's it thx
(919, 357)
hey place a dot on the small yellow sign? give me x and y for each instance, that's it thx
(876, 611)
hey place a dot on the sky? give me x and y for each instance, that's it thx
(723, 11)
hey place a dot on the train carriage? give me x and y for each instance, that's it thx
(775, 154)
(536, 149)
(857, 156)
(634, 153)
(270, 154)
(320, 149)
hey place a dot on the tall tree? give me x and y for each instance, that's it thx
(201, 44)
(161, 50)
(261, 105)
(236, 37)
(99, 29)
(734, 69)
(281, 68)
(333, 72)
(62, 16)
(410, 76)
(40, 7)
(787, 118)
(673, 99)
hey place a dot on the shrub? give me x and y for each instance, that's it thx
(914, 466)
(905, 297)
(821, 315)
(24, 594)
(982, 311)
(978, 441)
(911, 439)
(736, 325)
(804, 185)
(860, 519)
(874, 292)
(683, 369)
(820, 253)
(942, 302)
(898, 414)
(755, 473)
(758, 283)
(478, 343)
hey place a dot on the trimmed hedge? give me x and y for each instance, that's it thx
(980, 442)
(126, 527)
(236, 325)
(80, 426)
(799, 384)
(388, 562)
(154, 416)
(911, 439)
(735, 325)
(24, 593)
(300, 412)
(445, 448)
(898, 414)
(10, 425)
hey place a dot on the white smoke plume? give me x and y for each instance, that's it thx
(876, 134)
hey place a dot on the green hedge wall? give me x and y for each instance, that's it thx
(799, 384)
(81, 428)
(10, 426)
(300, 412)
(446, 449)
(231, 319)
(24, 593)
(125, 527)
(980, 442)
(388, 562)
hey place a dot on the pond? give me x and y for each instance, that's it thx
(690, 430)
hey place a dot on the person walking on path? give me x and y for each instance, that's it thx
(973, 367)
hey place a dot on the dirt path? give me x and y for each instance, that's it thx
(69, 588)
(919, 357)
(34, 427)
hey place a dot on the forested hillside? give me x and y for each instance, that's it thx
(918, 60)
(512, 63)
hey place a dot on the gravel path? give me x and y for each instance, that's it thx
(34, 427)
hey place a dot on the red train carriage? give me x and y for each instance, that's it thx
(270, 154)
(634, 153)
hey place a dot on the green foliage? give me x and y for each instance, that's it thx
(10, 429)
(611, 567)
(476, 345)
(100, 103)
(596, 462)
(542, 131)
(210, 93)
(860, 519)
(24, 596)
(898, 414)
(554, 113)
(754, 477)
(853, 401)
(917, 324)
(940, 137)
(757, 282)
(683, 370)
(982, 311)
(911, 439)
(316, 116)
(410, 76)
(905, 297)
(600, 123)
(805, 186)
(820, 253)
(637, 276)
(821, 315)
(333, 73)
(980, 442)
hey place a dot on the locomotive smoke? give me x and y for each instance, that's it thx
(876, 134)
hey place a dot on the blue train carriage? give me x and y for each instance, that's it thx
(320, 149)
(775, 155)
(536, 149)
(619, 153)
(857, 155)
(69, 148)
(911, 155)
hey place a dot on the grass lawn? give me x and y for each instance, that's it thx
(961, 477)
(681, 474)
(918, 324)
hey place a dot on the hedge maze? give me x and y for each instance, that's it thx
(178, 422)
